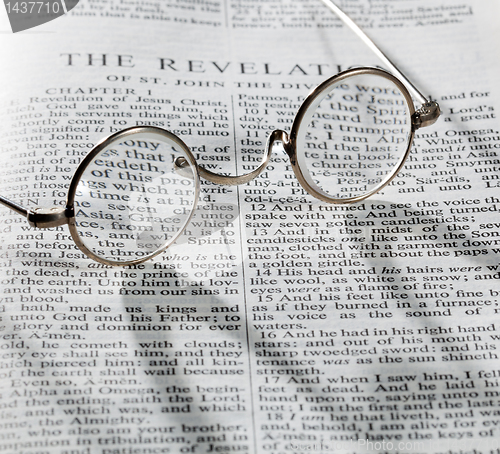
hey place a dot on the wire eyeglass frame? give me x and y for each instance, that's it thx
(424, 116)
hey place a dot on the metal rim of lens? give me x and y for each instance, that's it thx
(89, 158)
(303, 174)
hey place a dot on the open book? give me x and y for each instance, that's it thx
(277, 323)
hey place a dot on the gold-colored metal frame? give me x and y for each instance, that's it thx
(426, 115)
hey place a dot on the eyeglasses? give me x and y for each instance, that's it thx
(135, 192)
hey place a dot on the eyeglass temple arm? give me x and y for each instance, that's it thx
(43, 218)
(429, 112)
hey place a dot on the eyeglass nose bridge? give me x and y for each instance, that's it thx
(233, 180)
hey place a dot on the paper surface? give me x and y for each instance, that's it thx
(278, 323)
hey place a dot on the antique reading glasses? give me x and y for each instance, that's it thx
(135, 192)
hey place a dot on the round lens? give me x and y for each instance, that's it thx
(355, 134)
(134, 196)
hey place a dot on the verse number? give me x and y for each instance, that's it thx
(32, 7)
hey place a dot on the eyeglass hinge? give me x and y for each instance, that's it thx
(427, 115)
(45, 218)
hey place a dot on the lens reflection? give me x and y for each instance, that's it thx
(354, 136)
(133, 199)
